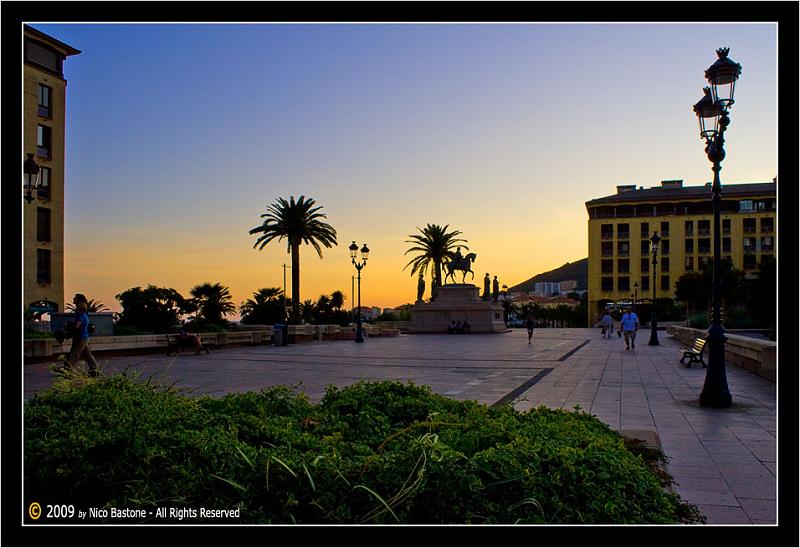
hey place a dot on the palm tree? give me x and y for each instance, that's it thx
(265, 306)
(337, 300)
(213, 301)
(433, 245)
(94, 306)
(308, 310)
(298, 222)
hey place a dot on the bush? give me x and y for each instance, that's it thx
(380, 452)
(699, 321)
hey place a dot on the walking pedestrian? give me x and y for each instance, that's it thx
(607, 323)
(529, 325)
(629, 325)
(80, 336)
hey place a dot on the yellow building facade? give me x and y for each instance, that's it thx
(620, 226)
(44, 100)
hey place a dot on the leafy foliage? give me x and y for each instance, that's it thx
(266, 307)
(213, 302)
(433, 246)
(150, 310)
(380, 452)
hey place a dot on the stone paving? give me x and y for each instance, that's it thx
(723, 460)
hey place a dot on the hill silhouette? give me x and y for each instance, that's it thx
(578, 271)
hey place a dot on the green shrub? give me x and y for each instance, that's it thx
(699, 321)
(382, 452)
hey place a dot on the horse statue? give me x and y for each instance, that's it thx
(463, 265)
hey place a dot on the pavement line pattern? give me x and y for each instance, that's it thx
(571, 352)
(523, 387)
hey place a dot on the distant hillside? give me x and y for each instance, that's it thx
(578, 271)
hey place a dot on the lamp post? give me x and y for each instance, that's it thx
(359, 266)
(31, 169)
(285, 311)
(635, 292)
(654, 239)
(712, 114)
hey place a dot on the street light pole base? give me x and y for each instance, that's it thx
(715, 400)
(653, 334)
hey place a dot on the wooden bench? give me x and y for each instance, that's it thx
(695, 353)
(175, 342)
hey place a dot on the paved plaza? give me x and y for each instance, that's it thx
(723, 460)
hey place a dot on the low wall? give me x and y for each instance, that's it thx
(43, 348)
(754, 355)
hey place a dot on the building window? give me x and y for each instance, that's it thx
(767, 225)
(766, 257)
(767, 244)
(664, 247)
(623, 266)
(645, 284)
(45, 101)
(44, 182)
(607, 283)
(665, 264)
(43, 266)
(645, 247)
(689, 246)
(688, 264)
(607, 266)
(607, 249)
(44, 141)
(749, 261)
(606, 232)
(704, 245)
(645, 265)
(745, 205)
(749, 226)
(622, 231)
(623, 283)
(645, 230)
(726, 226)
(42, 55)
(749, 245)
(689, 228)
(704, 228)
(43, 224)
(664, 229)
(703, 263)
(665, 283)
(623, 248)
(726, 245)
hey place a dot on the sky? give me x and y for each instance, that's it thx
(179, 136)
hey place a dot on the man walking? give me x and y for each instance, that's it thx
(629, 324)
(529, 325)
(80, 338)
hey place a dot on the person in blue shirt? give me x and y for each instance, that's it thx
(629, 324)
(80, 336)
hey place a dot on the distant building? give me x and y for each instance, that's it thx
(553, 302)
(620, 226)
(547, 288)
(568, 286)
(44, 108)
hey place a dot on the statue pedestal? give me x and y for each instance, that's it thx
(456, 302)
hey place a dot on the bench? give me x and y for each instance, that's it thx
(175, 342)
(695, 353)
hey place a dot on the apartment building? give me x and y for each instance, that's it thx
(621, 225)
(44, 95)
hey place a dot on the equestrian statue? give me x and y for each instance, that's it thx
(462, 263)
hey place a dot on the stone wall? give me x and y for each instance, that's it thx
(754, 355)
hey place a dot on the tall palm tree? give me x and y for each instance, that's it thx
(213, 301)
(299, 222)
(433, 246)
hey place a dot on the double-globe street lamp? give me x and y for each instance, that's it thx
(712, 114)
(359, 266)
(654, 239)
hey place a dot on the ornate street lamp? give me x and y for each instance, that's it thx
(31, 169)
(359, 266)
(712, 114)
(654, 239)
(635, 292)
